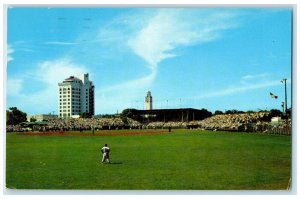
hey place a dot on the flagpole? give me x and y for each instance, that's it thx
(285, 95)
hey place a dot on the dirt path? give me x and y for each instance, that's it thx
(105, 133)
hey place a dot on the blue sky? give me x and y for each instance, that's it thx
(213, 58)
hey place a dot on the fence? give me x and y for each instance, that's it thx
(278, 129)
(282, 128)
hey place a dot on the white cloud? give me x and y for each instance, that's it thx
(14, 86)
(252, 79)
(135, 84)
(52, 72)
(169, 29)
(257, 76)
(10, 51)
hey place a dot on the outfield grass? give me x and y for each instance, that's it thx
(182, 160)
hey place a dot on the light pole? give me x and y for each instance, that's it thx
(180, 103)
(285, 96)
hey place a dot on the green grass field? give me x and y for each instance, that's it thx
(181, 160)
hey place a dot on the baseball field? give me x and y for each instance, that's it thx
(148, 160)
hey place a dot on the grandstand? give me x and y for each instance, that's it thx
(167, 115)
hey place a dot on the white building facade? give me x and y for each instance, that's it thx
(40, 117)
(148, 101)
(76, 96)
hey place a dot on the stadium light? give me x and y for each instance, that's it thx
(180, 103)
(285, 96)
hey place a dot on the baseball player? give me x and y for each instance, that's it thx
(105, 153)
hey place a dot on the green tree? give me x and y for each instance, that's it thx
(86, 115)
(275, 113)
(130, 113)
(217, 112)
(32, 119)
(233, 111)
(15, 116)
(205, 114)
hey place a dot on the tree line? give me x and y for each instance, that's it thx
(14, 116)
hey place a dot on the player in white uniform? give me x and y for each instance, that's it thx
(105, 153)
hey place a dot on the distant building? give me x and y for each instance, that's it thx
(40, 117)
(148, 101)
(76, 96)
(275, 119)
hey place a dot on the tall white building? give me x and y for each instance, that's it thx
(76, 96)
(148, 101)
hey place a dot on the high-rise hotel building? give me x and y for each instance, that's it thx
(76, 96)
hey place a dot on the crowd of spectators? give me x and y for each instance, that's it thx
(162, 125)
(234, 122)
(79, 124)
(16, 128)
(89, 123)
(75, 124)
(256, 121)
